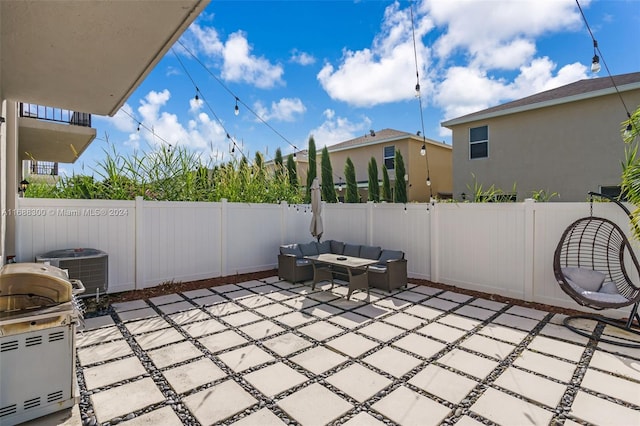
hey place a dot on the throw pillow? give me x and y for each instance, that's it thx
(351, 250)
(291, 249)
(389, 255)
(337, 247)
(370, 252)
(588, 279)
(324, 247)
(309, 249)
(609, 288)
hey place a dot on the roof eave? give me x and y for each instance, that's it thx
(567, 99)
(388, 140)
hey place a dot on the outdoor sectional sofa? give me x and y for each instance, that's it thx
(388, 273)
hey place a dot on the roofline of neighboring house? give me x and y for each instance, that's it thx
(538, 105)
(387, 140)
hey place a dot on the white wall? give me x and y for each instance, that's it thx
(505, 249)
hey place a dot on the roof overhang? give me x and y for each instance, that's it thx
(86, 56)
(50, 141)
(366, 143)
(567, 99)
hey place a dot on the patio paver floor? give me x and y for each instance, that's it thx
(268, 352)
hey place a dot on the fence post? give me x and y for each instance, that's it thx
(223, 237)
(139, 244)
(370, 223)
(434, 233)
(284, 207)
(529, 249)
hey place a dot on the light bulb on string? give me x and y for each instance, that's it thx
(236, 110)
(628, 132)
(595, 62)
(423, 150)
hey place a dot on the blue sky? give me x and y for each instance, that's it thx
(337, 69)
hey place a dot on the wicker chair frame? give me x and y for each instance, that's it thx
(598, 244)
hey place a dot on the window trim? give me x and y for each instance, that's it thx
(478, 142)
(393, 157)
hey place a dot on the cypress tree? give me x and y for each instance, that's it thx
(401, 185)
(351, 195)
(374, 186)
(328, 189)
(279, 163)
(292, 171)
(313, 168)
(386, 185)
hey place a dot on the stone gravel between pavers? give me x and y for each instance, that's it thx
(268, 352)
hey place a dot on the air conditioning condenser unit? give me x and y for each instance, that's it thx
(90, 266)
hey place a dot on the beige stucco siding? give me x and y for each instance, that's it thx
(570, 148)
(440, 166)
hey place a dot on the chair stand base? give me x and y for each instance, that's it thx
(621, 341)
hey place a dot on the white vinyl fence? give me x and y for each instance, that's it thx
(500, 248)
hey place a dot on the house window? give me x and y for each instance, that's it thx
(479, 142)
(389, 157)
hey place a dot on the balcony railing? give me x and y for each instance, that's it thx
(59, 115)
(44, 168)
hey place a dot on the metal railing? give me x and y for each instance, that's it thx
(59, 115)
(44, 168)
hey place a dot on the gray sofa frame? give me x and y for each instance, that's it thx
(388, 274)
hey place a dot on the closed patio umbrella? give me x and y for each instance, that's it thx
(316, 208)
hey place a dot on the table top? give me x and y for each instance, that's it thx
(342, 260)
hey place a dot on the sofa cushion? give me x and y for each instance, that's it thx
(390, 255)
(324, 247)
(351, 250)
(587, 279)
(309, 249)
(292, 249)
(370, 252)
(337, 247)
(609, 288)
(377, 268)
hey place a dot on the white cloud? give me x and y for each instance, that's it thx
(241, 66)
(205, 40)
(492, 43)
(302, 58)
(465, 89)
(382, 73)
(479, 27)
(286, 109)
(160, 127)
(238, 62)
(338, 129)
(122, 120)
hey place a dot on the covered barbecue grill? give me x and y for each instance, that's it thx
(38, 316)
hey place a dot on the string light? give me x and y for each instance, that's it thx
(423, 149)
(595, 63)
(595, 67)
(197, 98)
(238, 101)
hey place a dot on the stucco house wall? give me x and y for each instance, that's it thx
(570, 148)
(438, 155)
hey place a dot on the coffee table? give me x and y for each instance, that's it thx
(356, 267)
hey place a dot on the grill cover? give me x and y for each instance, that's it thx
(32, 285)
